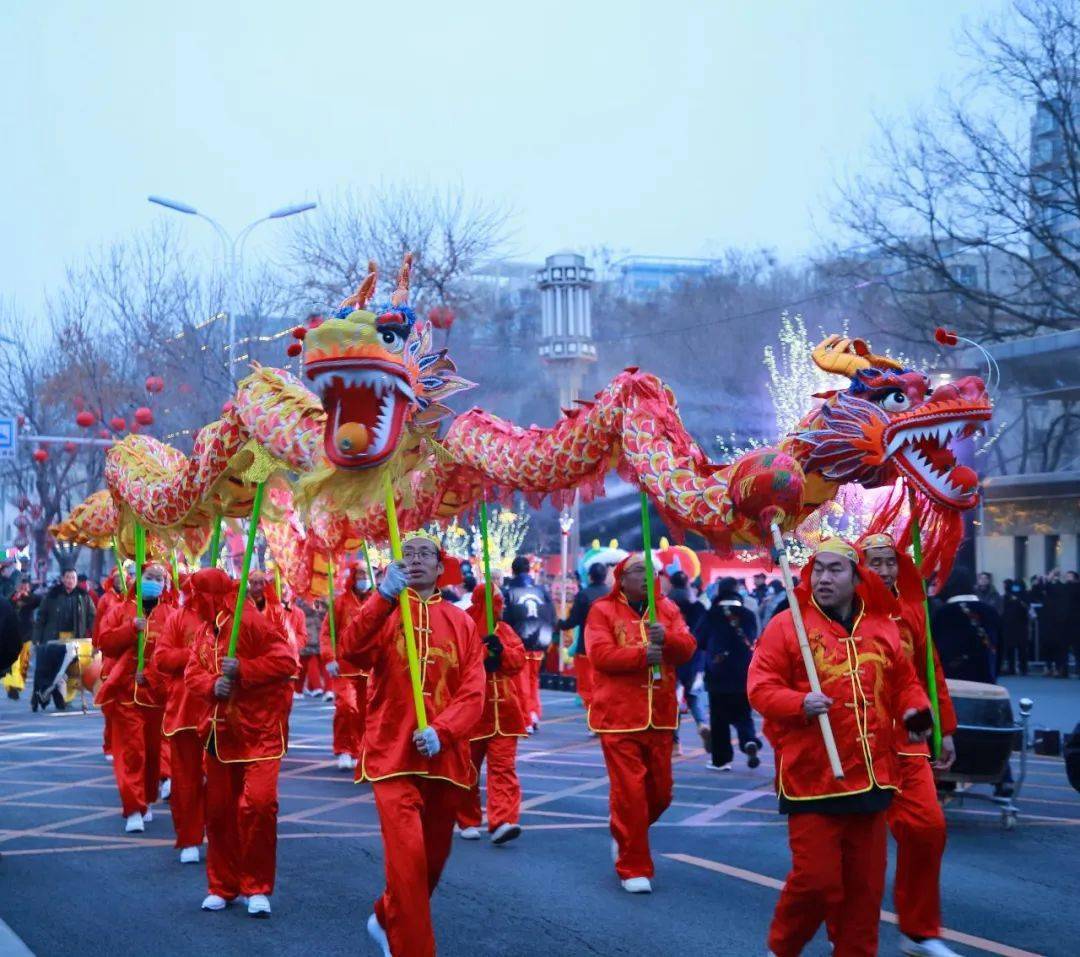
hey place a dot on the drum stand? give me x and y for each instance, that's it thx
(1009, 810)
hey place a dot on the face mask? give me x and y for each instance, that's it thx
(152, 588)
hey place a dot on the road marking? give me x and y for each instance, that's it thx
(763, 880)
(22, 736)
(725, 807)
(11, 944)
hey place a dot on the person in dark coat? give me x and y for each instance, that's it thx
(1056, 625)
(1015, 628)
(693, 611)
(65, 616)
(726, 636)
(967, 631)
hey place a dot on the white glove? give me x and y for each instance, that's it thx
(394, 581)
(333, 669)
(427, 742)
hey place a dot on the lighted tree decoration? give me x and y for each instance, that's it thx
(506, 534)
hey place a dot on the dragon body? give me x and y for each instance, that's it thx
(374, 415)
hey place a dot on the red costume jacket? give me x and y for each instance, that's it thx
(871, 684)
(118, 641)
(347, 607)
(183, 711)
(502, 715)
(452, 677)
(251, 724)
(625, 696)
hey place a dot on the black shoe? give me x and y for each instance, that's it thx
(752, 760)
(34, 701)
(13, 694)
(58, 700)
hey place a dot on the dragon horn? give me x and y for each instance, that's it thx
(366, 289)
(401, 294)
(843, 356)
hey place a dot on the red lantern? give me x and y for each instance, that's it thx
(154, 384)
(118, 423)
(71, 448)
(946, 337)
(294, 349)
(41, 456)
(104, 434)
(441, 317)
(85, 419)
(144, 416)
(299, 332)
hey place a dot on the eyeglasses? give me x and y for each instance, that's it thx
(425, 554)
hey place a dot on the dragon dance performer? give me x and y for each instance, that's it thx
(419, 778)
(496, 733)
(184, 715)
(915, 817)
(112, 594)
(243, 726)
(130, 698)
(836, 828)
(349, 683)
(634, 712)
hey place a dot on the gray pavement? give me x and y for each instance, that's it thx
(70, 879)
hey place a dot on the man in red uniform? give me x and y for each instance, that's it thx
(184, 715)
(915, 816)
(836, 828)
(244, 728)
(496, 733)
(112, 595)
(418, 777)
(135, 705)
(349, 683)
(634, 710)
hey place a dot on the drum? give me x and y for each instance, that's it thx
(986, 732)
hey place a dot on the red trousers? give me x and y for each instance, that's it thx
(529, 683)
(639, 771)
(136, 748)
(837, 875)
(918, 824)
(312, 675)
(241, 826)
(416, 815)
(165, 766)
(503, 787)
(188, 800)
(583, 673)
(350, 712)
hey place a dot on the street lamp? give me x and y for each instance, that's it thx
(233, 249)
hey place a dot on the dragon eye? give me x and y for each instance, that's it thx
(895, 401)
(392, 339)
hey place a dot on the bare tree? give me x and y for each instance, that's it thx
(972, 217)
(448, 232)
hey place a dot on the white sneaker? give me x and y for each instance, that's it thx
(109, 758)
(377, 934)
(258, 905)
(134, 824)
(505, 832)
(166, 789)
(718, 767)
(931, 947)
(637, 885)
(329, 696)
(189, 855)
(345, 762)
(148, 816)
(297, 696)
(469, 834)
(213, 902)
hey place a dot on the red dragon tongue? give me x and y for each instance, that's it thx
(964, 478)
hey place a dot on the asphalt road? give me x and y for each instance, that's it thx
(71, 880)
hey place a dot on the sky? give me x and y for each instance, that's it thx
(674, 129)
